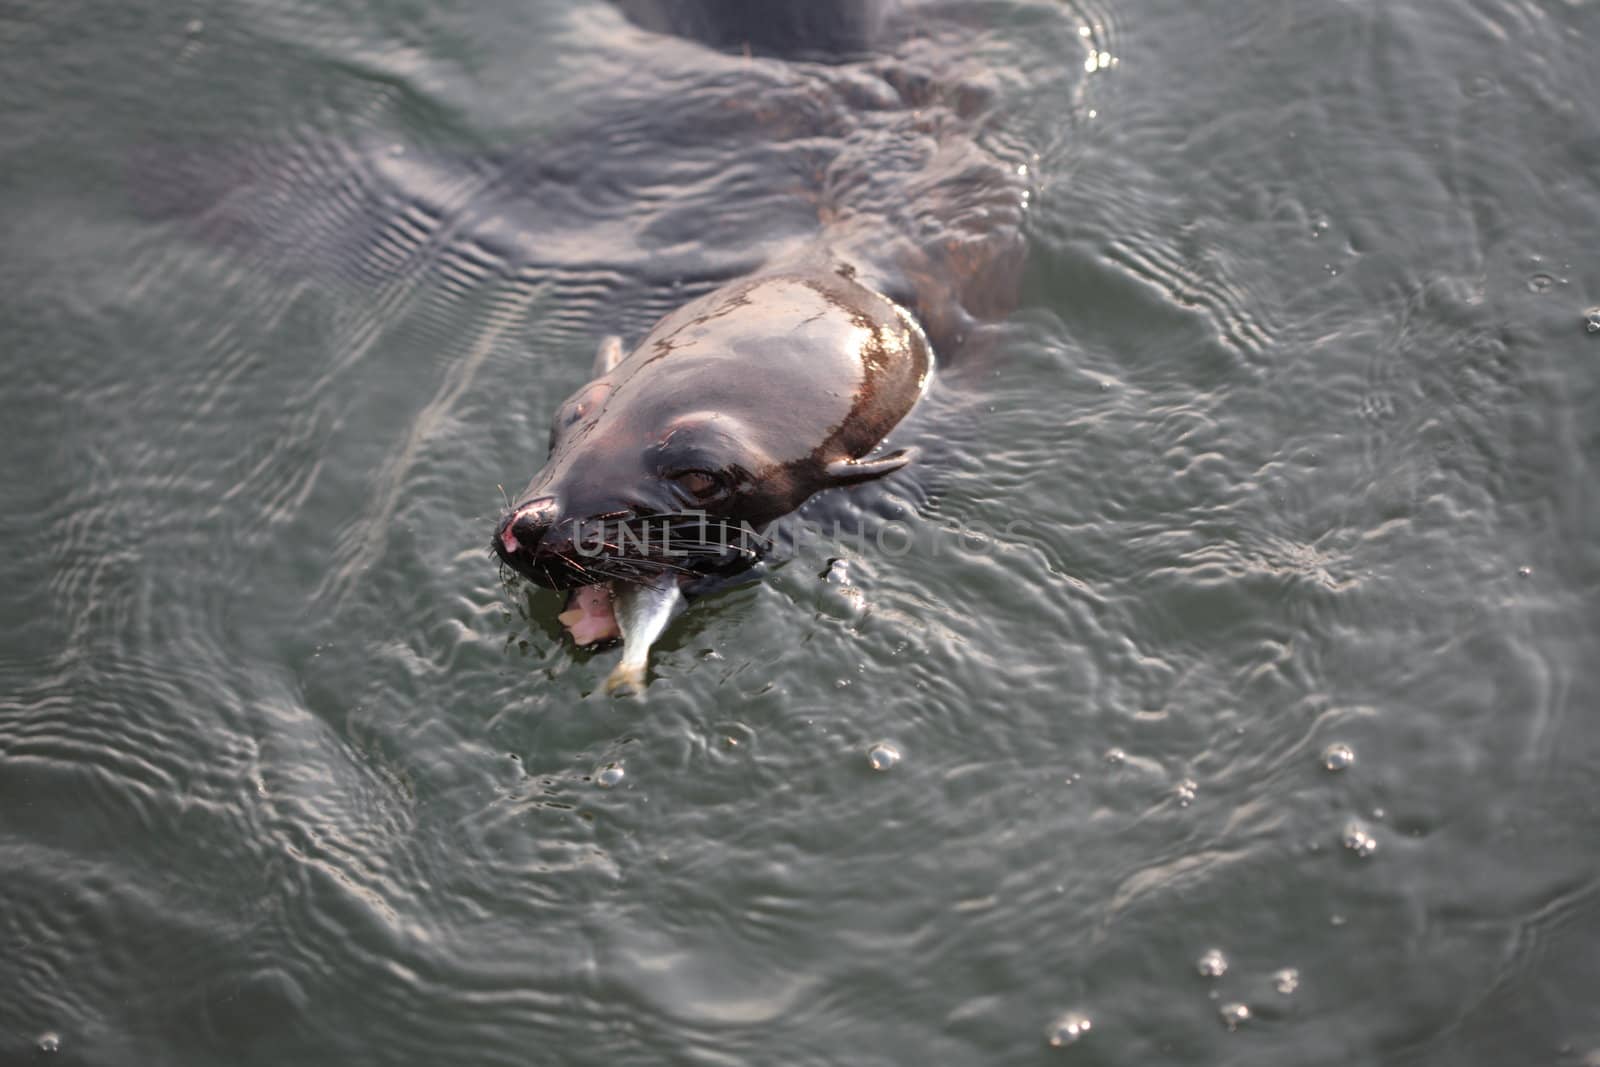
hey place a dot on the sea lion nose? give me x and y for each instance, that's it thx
(526, 524)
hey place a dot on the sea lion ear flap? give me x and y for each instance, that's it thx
(610, 354)
(851, 471)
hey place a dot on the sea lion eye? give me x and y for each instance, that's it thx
(702, 485)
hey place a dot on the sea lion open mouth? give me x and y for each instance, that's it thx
(590, 617)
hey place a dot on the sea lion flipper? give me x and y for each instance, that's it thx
(609, 355)
(851, 471)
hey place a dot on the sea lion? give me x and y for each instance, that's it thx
(730, 413)
(736, 408)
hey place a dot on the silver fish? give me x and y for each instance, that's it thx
(643, 611)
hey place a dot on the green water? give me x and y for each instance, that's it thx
(1294, 425)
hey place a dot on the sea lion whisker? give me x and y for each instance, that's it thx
(726, 530)
(663, 565)
(611, 574)
(717, 547)
(626, 573)
(574, 564)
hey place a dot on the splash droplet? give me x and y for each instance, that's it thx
(1234, 1014)
(1068, 1030)
(50, 1041)
(609, 776)
(1116, 757)
(1359, 839)
(1286, 981)
(1338, 756)
(1213, 964)
(882, 756)
(1185, 792)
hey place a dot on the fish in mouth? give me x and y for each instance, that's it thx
(729, 414)
(635, 575)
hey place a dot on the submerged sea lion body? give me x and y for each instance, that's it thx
(738, 407)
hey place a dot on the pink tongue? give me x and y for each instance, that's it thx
(589, 617)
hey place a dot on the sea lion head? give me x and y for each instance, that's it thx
(631, 490)
(730, 413)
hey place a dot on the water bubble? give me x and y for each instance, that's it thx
(1338, 756)
(1116, 757)
(1591, 320)
(882, 756)
(1319, 228)
(1213, 964)
(193, 27)
(609, 776)
(50, 1041)
(1068, 1030)
(1359, 839)
(1286, 981)
(1185, 792)
(1540, 283)
(1524, 572)
(1234, 1014)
